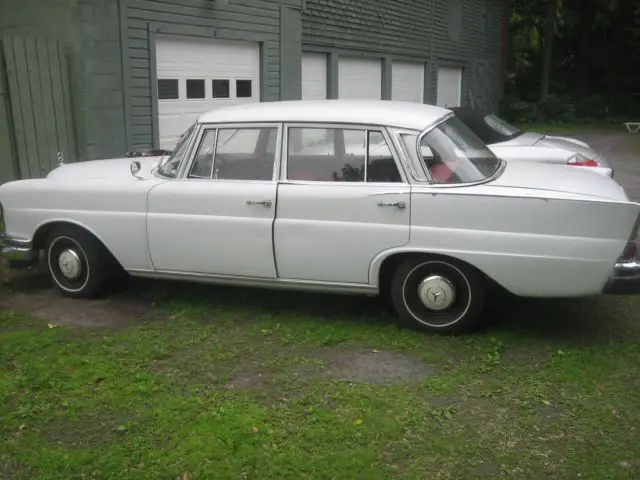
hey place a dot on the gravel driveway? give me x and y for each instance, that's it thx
(623, 151)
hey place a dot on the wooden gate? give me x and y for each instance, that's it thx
(40, 104)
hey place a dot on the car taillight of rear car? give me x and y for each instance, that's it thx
(578, 160)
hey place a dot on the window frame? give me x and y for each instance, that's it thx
(199, 137)
(186, 89)
(397, 158)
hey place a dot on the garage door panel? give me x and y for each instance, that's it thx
(207, 60)
(407, 81)
(360, 78)
(449, 86)
(314, 76)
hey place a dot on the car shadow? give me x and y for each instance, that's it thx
(577, 320)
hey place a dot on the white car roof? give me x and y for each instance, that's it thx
(409, 115)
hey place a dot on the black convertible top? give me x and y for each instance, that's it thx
(488, 127)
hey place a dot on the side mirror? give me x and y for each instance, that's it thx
(135, 167)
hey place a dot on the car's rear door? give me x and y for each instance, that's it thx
(343, 198)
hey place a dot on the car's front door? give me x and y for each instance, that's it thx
(219, 218)
(343, 199)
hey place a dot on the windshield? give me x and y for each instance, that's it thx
(169, 166)
(501, 126)
(452, 153)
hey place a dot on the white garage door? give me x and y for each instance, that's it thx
(360, 78)
(407, 81)
(449, 86)
(314, 76)
(198, 75)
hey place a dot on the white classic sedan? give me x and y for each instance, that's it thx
(511, 143)
(417, 208)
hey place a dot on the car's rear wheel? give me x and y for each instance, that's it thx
(438, 294)
(78, 264)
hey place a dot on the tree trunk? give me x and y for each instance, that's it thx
(587, 18)
(549, 33)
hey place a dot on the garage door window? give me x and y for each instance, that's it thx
(243, 88)
(339, 155)
(168, 89)
(220, 88)
(195, 89)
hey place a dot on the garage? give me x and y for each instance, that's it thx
(449, 86)
(196, 75)
(314, 76)
(359, 78)
(407, 81)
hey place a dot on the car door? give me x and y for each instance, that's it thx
(218, 218)
(342, 199)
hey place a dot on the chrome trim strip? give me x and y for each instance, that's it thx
(16, 249)
(270, 283)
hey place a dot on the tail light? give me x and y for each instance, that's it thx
(579, 161)
(630, 252)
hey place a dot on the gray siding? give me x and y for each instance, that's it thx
(466, 33)
(251, 20)
(100, 89)
(35, 18)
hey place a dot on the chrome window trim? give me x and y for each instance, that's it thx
(366, 128)
(411, 162)
(204, 127)
(496, 174)
(199, 145)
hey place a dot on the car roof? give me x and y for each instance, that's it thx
(409, 115)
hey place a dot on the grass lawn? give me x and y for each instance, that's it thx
(234, 383)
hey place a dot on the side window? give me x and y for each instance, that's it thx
(243, 154)
(203, 162)
(382, 166)
(326, 154)
(430, 159)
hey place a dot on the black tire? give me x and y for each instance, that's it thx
(444, 276)
(97, 268)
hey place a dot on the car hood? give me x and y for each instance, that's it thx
(111, 168)
(560, 178)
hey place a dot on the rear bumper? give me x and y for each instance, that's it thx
(625, 279)
(16, 251)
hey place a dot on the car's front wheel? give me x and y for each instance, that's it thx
(438, 294)
(78, 264)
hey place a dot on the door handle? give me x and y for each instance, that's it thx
(399, 205)
(264, 203)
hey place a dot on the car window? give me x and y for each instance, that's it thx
(170, 165)
(326, 154)
(236, 154)
(203, 162)
(381, 166)
(453, 154)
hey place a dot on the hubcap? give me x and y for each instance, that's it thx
(70, 264)
(436, 292)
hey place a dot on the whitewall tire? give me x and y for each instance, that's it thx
(438, 294)
(79, 265)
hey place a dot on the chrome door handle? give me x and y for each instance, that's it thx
(264, 203)
(399, 205)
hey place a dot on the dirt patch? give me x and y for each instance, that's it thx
(30, 291)
(376, 367)
(86, 432)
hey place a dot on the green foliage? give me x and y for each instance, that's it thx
(596, 45)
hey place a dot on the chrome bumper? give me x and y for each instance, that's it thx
(16, 250)
(625, 279)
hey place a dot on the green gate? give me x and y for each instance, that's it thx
(37, 86)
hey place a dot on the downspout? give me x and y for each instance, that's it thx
(431, 59)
